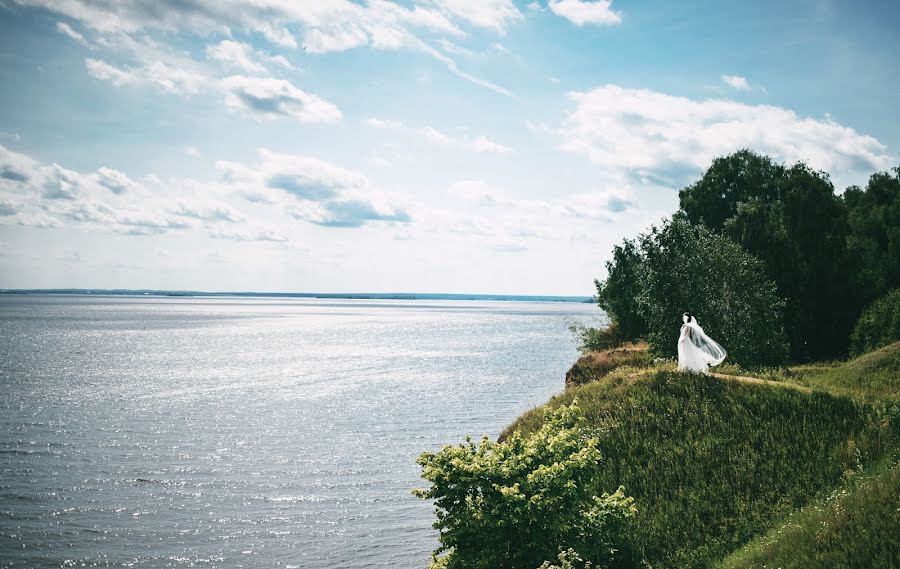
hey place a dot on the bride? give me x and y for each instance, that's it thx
(697, 351)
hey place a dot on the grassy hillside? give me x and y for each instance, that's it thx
(713, 464)
(855, 526)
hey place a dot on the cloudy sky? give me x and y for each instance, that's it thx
(481, 146)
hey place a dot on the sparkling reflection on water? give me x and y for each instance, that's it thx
(218, 432)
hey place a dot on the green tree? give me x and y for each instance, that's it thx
(617, 295)
(790, 218)
(518, 503)
(687, 267)
(879, 325)
(873, 243)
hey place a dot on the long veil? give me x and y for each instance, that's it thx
(711, 350)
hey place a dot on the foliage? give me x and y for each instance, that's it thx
(742, 177)
(873, 244)
(592, 339)
(790, 218)
(855, 526)
(596, 365)
(713, 464)
(519, 503)
(689, 268)
(879, 324)
(617, 295)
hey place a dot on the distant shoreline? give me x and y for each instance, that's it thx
(320, 295)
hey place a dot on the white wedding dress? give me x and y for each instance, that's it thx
(697, 352)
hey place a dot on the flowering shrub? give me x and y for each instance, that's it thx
(521, 502)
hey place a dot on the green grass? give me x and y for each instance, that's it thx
(873, 377)
(855, 526)
(713, 464)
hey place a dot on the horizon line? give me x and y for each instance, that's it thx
(346, 295)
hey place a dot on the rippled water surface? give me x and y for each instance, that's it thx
(176, 432)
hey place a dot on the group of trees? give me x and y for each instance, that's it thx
(767, 256)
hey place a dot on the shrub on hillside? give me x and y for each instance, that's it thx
(596, 365)
(592, 339)
(686, 267)
(879, 325)
(520, 503)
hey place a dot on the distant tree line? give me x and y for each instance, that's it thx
(766, 255)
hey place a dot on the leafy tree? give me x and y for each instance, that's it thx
(873, 243)
(790, 218)
(687, 267)
(879, 325)
(730, 181)
(617, 295)
(518, 503)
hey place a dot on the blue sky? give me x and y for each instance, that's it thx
(481, 146)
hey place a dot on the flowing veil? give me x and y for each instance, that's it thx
(711, 351)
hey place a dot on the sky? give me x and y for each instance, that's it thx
(457, 146)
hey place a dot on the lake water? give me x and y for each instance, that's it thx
(220, 432)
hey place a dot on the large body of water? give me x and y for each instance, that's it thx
(174, 432)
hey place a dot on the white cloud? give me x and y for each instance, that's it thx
(67, 30)
(192, 151)
(171, 79)
(244, 57)
(268, 98)
(492, 14)
(736, 82)
(313, 190)
(235, 54)
(117, 182)
(581, 12)
(49, 195)
(478, 144)
(336, 25)
(643, 131)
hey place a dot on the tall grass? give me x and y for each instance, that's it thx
(712, 464)
(855, 526)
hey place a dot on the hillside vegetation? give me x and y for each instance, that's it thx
(713, 464)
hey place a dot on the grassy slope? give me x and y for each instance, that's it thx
(713, 464)
(873, 377)
(855, 526)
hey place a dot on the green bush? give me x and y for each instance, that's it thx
(592, 339)
(688, 268)
(518, 503)
(879, 325)
(595, 365)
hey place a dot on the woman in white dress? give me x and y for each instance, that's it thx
(697, 352)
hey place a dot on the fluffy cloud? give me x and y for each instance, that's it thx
(49, 195)
(172, 79)
(243, 57)
(736, 82)
(312, 190)
(235, 54)
(268, 98)
(478, 144)
(581, 12)
(648, 132)
(492, 14)
(336, 25)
